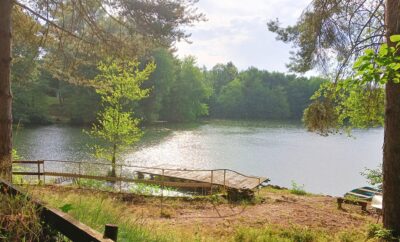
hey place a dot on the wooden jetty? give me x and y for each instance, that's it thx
(163, 175)
(222, 177)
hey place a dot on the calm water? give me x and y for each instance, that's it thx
(284, 153)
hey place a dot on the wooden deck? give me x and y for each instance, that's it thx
(222, 177)
(163, 175)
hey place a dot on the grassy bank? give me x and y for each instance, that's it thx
(277, 215)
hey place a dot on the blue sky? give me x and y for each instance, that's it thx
(236, 31)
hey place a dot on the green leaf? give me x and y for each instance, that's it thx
(396, 66)
(67, 207)
(383, 50)
(369, 51)
(395, 38)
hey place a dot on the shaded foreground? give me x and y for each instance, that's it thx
(275, 215)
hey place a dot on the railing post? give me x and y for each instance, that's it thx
(225, 180)
(79, 171)
(212, 177)
(162, 191)
(44, 175)
(111, 232)
(120, 179)
(38, 167)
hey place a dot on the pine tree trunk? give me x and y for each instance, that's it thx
(5, 89)
(391, 146)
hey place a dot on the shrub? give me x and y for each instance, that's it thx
(297, 189)
(376, 231)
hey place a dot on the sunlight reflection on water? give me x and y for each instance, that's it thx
(329, 165)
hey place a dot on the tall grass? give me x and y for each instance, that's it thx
(298, 189)
(97, 210)
(295, 234)
(19, 219)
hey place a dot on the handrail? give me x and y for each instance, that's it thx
(135, 166)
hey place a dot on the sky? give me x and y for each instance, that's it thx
(236, 31)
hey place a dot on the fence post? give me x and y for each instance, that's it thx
(212, 177)
(79, 178)
(162, 191)
(44, 175)
(259, 186)
(38, 167)
(120, 179)
(111, 232)
(224, 180)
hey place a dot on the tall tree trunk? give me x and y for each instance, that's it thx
(5, 89)
(391, 146)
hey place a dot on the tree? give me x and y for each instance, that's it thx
(188, 95)
(5, 89)
(117, 84)
(231, 100)
(219, 76)
(87, 30)
(329, 25)
(160, 83)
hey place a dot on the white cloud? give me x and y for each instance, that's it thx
(236, 31)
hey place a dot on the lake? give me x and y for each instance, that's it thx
(283, 152)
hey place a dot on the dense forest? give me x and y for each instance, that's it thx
(180, 91)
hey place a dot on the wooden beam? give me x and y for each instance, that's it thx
(28, 162)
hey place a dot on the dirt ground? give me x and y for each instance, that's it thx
(216, 217)
(275, 208)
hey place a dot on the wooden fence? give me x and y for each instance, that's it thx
(62, 222)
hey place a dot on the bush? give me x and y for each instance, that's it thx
(376, 231)
(298, 189)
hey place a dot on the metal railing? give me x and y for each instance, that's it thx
(162, 176)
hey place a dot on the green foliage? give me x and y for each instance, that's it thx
(345, 104)
(160, 83)
(381, 66)
(256, 94)
(297, 189)
(320, 116)
(149, 189)
(95, 184)
(376, 231)
(374, 176)
(357, 101)
(117, 84)
(66, 207)
(188, 95)
(176, 91)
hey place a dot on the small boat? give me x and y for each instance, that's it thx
(363, 193)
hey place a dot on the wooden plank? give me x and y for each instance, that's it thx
(28, 162)
(70, 227)
(166, 183)
(358, 195)
(27, 173)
